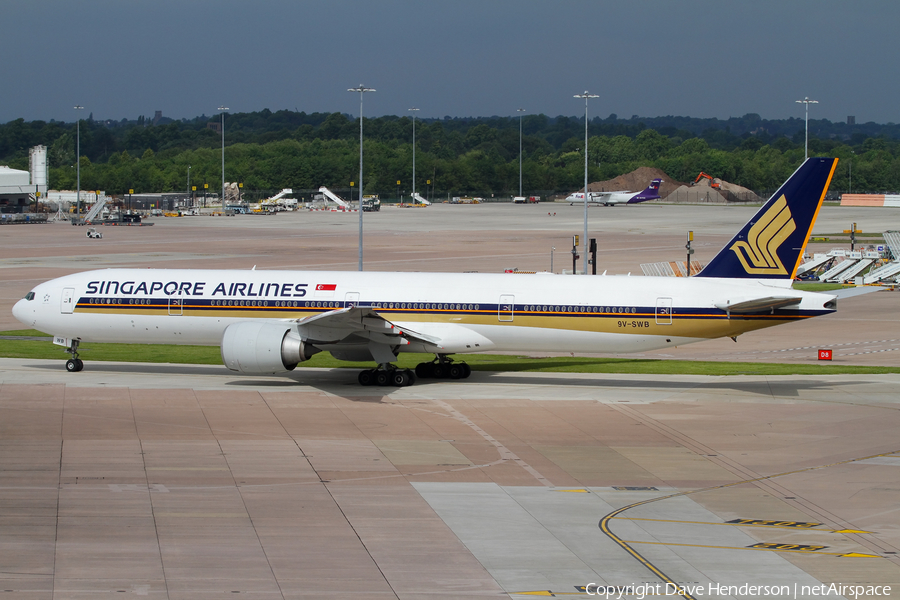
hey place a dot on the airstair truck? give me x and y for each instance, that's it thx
(334, 197)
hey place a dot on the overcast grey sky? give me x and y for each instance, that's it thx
(698, 58)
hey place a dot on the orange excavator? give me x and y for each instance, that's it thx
(712, 181)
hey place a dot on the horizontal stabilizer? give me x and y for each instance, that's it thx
(758, 305)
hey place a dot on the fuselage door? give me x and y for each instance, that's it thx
(67, 305)
(351, 299)
(506, 307)
(176, 304)
(663, 311)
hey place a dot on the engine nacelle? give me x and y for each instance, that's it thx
(263, 347)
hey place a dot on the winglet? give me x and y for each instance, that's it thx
(771, 244)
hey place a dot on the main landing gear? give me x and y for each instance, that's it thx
(74, 364)
(443, 367)
(386, 374)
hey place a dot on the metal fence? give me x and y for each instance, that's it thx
(21, 218)
(707, 195)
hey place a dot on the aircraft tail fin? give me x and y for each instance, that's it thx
(771, 244)
(650, 193)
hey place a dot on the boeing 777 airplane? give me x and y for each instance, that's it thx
(269, 321)
(611, 198)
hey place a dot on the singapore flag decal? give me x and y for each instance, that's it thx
(325, 290)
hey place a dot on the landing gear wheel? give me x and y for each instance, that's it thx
(424, 370)
(382, 377)
(400, 378)
(443, 367)
(366, 377)
(74, 364)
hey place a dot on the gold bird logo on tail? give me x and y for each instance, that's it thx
(759, 254)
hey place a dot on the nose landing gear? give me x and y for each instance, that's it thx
(74, 364)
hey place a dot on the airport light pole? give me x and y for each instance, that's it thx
(520, 111)
(78, 162)
(362, 90)
(414, 111)
(586, 97)
(807, 102)
(222, 109)
(850, 173)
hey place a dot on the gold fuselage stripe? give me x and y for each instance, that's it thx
(699, 324)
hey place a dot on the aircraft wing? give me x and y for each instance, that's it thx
(336, 325)
(758, 305)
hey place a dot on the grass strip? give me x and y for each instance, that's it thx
(818, 287)
(210, 355)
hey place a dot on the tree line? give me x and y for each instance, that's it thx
(267, 151)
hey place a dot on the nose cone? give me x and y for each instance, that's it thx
(19, 310)
(23, 311)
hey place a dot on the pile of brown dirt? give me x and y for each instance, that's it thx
(671, 190)
(636, 181)
(695, 194)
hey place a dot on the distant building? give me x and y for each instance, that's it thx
(851, 120)
(168, 202)
(20, 189)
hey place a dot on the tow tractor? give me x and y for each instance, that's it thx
(93, 233)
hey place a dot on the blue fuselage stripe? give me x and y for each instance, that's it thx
(398, 309)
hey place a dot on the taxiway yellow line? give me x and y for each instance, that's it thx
(841, 554)
(748, 525)
(605, 521)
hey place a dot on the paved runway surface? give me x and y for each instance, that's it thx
(180, 481)
(177, 481)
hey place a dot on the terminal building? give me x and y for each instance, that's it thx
(20, 190)
(170, 201)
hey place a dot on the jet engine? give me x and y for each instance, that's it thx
(263, 347)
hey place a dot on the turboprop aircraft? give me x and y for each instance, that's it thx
(651, 192)
(269, 321)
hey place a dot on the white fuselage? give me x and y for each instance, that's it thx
(605, 198)
(459, 312)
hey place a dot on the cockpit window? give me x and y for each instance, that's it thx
(29, 296)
